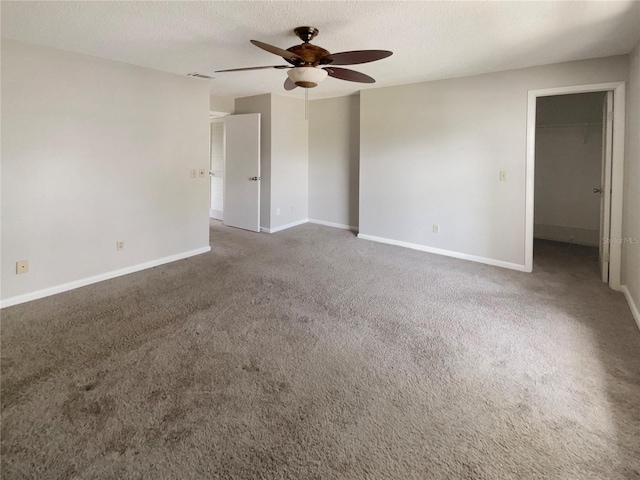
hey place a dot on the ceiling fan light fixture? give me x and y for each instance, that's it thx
(306, 62)
(306, 77)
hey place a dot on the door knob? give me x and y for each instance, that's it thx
(597, 190)
(255, 179)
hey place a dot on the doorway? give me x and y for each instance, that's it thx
(568, 178)
(574, 150)
(216, 207)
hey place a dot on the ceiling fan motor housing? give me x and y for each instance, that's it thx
(310, 54)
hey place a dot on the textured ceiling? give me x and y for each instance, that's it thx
(430, 40)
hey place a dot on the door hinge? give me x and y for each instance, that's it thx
(255, 179)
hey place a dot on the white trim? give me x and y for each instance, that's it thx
(283, 227)
(632, 304)
(617, 186)
(334, 225)
(617, 170)
(446, 253)
(46, 292)
(213, 116)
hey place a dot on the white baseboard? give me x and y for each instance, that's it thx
(284, 227)
(577, 236)
(632, 304)
(447, 253)
(216, 214)
(334, 225)
(46, 292)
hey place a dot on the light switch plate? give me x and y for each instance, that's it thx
(503, 176)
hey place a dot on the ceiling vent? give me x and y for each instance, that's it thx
(200, 75)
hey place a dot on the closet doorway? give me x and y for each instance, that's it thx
(575, 152)
(569, 180)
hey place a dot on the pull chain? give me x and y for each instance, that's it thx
(306, 104)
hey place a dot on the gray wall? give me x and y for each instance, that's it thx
(289, 161)
(568, 167)
(631, 218)
(96, 151)
(261, 104)
(221, 104)
(431, 153)
(334, 160)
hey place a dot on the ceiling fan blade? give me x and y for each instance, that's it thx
(277, 51)
(289, 85)
(349, 75)
(354, 57)
(252, 68)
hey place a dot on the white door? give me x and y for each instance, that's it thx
(242, 171)
(605, 185)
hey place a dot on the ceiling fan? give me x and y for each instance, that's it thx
(310, 64)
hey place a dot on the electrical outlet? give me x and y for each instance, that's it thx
(120, 245)
(22, 266)
(436, 228)
(202, 173)
(193, 172)
(292, 208)
(277, 211)
(503, 176)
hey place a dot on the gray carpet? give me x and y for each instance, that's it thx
(310, 354)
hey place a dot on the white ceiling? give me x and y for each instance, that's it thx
(430, 40)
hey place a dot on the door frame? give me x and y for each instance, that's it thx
(617, 170)
(216, 119)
